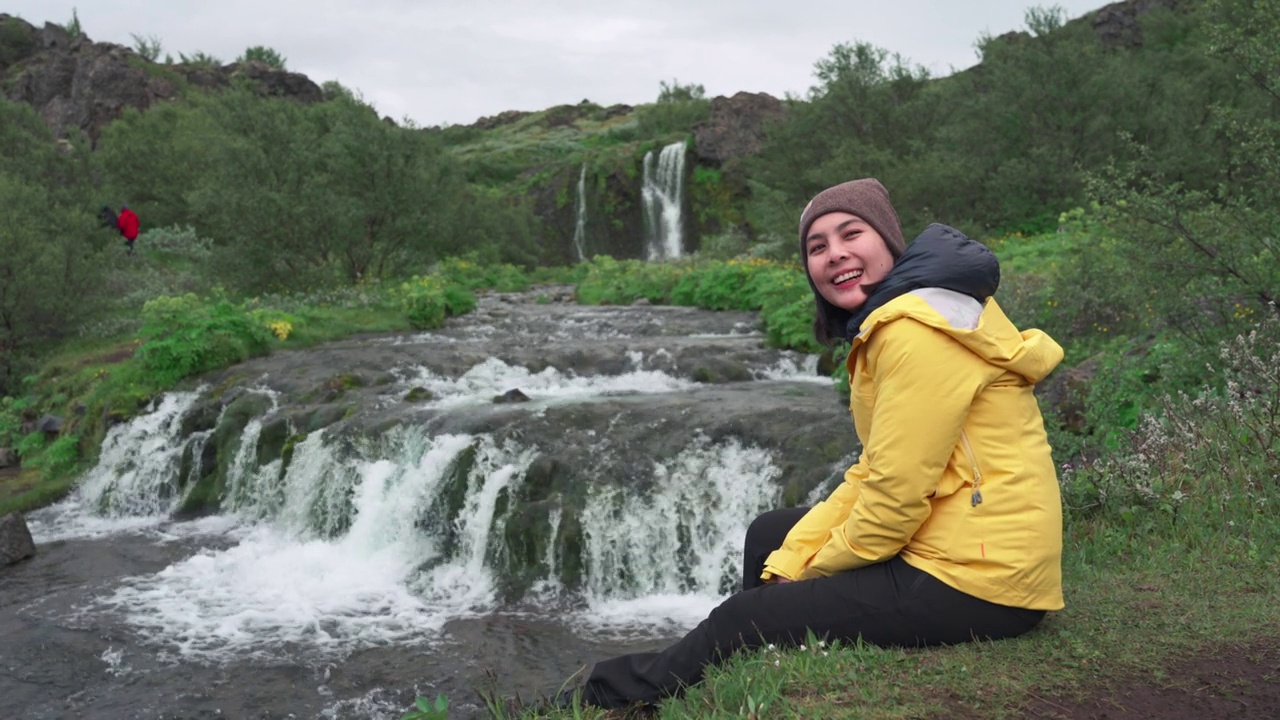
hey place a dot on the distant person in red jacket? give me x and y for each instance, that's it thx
(128, 222)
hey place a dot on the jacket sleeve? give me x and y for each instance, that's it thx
(808, 536)
(924, 385)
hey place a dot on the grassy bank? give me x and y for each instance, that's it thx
(1138, 602)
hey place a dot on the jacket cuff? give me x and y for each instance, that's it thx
(783, 564)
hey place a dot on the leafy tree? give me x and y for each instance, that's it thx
(862, 118)
(263, 54)
(155, 161)
(1216, 243)
(678, 109)
(51, 255)
(674, 92)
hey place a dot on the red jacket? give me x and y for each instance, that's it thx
(128, 224)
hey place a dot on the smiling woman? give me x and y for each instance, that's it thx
(949, 527)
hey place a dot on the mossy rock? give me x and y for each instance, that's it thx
(200, 418)
(272, 439)
(335, 387)
(447, 506)
(324, 416)
(419, 394)
(540, 478)
(726, 372)
(17, 41)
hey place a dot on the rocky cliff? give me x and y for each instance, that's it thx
(79, 86)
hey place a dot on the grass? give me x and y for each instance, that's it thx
(1139, 599)
(25, 489)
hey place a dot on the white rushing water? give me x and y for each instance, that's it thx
(666, 557)
(352, 547)
(662, 198)
(493, 377)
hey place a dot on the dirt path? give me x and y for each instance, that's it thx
(1236, 682)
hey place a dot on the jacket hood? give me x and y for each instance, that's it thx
(946, 281)
(941, 256)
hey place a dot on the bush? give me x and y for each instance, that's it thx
(185, 336)
(1218, 450)
(466, 271)
(428, 300)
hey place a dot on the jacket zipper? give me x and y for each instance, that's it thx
(975, 499)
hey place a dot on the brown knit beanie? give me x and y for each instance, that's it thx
(865, 198)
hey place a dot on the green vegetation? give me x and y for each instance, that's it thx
(72, 26)
(263, 54)
(148, 46)
(1129, 187)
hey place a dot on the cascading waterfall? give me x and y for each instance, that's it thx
(681, 538)
(662, 197)
(136, 481)
(385, 540)
(580, 216)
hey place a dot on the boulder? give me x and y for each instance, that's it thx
(1117, 25)
(8, 458)
(15, 540)
(736, 126)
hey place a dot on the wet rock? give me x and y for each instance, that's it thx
(15, 539)
(49, 425)
(8, 458)
(511, 396)
(1117, 25)
(419, 394)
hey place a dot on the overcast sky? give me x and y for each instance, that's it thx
(437, 61)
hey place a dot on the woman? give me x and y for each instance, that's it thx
(949, 527)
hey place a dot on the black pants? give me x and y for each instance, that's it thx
(888, 604)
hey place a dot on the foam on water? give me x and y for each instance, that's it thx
(493, 377)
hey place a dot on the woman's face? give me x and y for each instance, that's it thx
(846, 259)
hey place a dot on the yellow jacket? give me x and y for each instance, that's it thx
(956, 475)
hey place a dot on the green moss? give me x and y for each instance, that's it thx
(17, 41)
(419, 394)
(159, 70)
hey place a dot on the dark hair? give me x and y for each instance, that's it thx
(830, 324)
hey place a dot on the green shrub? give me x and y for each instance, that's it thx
(11, 410)
(466, 271)
(424, 303)
(458, 300)
(185, 336)
(59, 458)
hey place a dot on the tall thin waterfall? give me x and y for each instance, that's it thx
(662, 195)
(580, 213)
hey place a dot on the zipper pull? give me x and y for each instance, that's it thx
(976, 498)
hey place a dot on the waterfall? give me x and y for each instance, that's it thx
(378, 540)
(580, 215)
(662, 195)
(137, 475)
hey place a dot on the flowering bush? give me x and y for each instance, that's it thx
(1220, 447)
